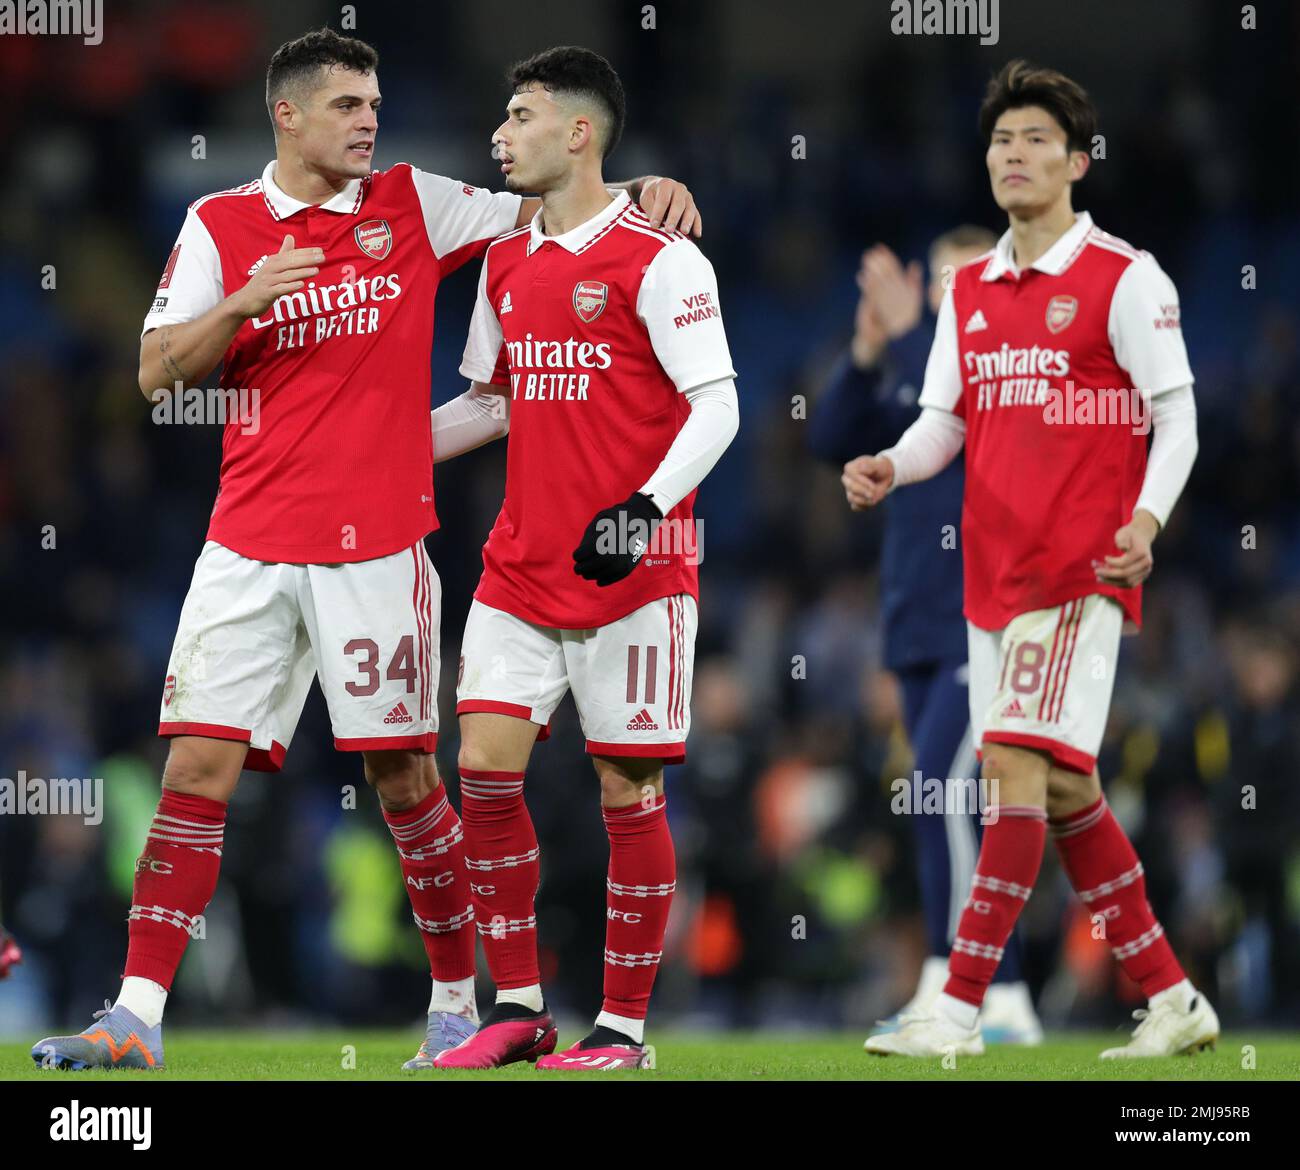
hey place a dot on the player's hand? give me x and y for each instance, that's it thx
(866, 480)
(669, 204)
(616, 540)
(1134, 563)
(285, 272)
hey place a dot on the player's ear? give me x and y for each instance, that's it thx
(1080, 161)
(285, 115)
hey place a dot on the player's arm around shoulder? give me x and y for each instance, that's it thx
(477, 417)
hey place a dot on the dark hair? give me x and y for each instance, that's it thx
(1021, 84)
(966, 235)
(295, 65)
(569, 69)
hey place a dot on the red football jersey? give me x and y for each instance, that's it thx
(1052, 369)
(599, 333)
(338, 462)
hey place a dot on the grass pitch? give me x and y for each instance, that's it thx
(342, 1055)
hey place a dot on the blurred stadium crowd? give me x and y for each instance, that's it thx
(797, 901)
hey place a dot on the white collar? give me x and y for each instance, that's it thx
(1054, 261)
(575, 239)
(346, 202)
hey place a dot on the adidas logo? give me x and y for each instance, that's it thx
(976, 322)
(641, 721)
(505, 305)
(252, 271)
(399, 714)
(1012, 710)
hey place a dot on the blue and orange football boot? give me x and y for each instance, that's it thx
(118, 1040)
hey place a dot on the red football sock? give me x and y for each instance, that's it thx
(1105, 871)
(642, 878)
(174, 881)
(431, 847)
(1010, 856)
(501, 856)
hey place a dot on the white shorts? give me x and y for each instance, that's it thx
(253, 635)
(631, 679)
(1045, 680)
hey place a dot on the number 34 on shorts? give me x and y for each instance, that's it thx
(253, 634)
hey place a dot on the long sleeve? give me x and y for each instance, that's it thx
(1173, 451)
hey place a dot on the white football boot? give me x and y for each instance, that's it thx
(1008, 1016)
(1171, 1025)
(934, 974)
(934, 1035)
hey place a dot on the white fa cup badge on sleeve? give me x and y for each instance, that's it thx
(589, 299)
(374, 238)
(1060, 312)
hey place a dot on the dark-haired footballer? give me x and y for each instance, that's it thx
(1053, 359)
(597, 342)
(315, 285)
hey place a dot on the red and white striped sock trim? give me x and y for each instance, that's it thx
(1079, 822)
(660, 891)
(444, 925)
(1124, 879)
(998, 886)
(1139, 944)
(977, 950)
(491, 785)
(510, 861)
(499, 927)
(648, 959)
(203, 838)
(1029, 812)
(163, 914)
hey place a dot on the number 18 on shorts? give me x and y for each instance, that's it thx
(1045, 681)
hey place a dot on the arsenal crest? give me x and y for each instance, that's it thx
(1060, 312)
(169, 689)
(374, 238)
(589, 297)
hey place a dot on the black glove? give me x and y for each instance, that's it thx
(616, 540)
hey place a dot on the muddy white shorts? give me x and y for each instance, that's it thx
(631, 679)
(253, 634)
(1045, 681)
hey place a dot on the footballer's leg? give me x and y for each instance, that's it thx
(1104, 869)
(1011, 851)
(374, 626)
(511, 679)
(430, 848)
(631, 681)
(238, 674)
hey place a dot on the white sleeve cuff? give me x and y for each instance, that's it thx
(927, 446)
(1173, 451)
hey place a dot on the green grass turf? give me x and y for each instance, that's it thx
(254, 1055)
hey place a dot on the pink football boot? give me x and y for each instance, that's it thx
(502, 1042)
